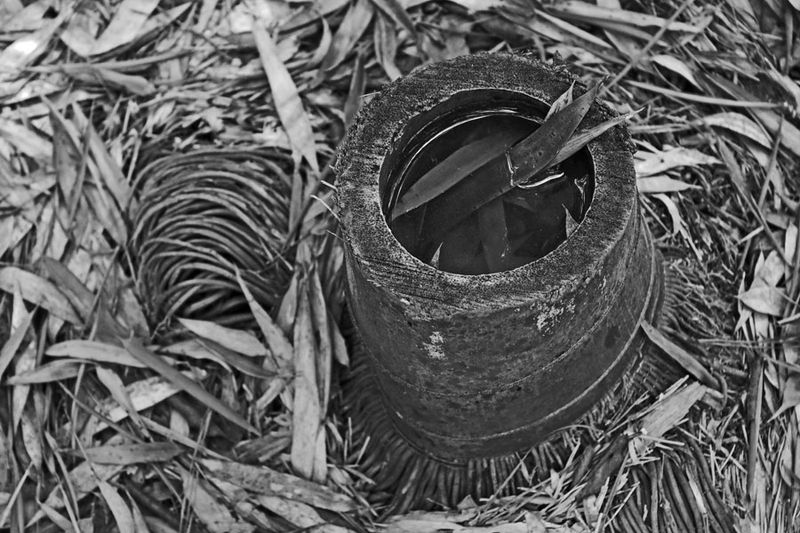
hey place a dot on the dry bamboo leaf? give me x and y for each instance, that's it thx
(681, 356)
(676, 65)
(38, 291)
(32, 438)
(113, 383)
(14, 341)
(472, 5)
(83, 479)
(25, 140)
(662, 184)
(129, 20)
(79, 35)
(196, 349)
(354, 24)
(650, 163)
(276, 340)
(385, 42)
(768, 300)
(143, 394)
(561, 102)
(703, 99)
(442, 521)
(108, 171)
(239, 341)
(137, 349)
(668, 412)
(307, 415)
(319, 316)
(287, 99)
(357, 84)
(740, 124)
(584, 137)
(450, 171)
(397, 12)
(99, 352)
(26, 361)
(584, 11)
(678, 225)
(27, 48)
(128, 454)
(324, 45)
(583, 36)
(214, 515)
(263, 480)
(54, 516)
(790, 395)
(90, 73)
(119, 510)
(340, 351)
(288, 308)
(301, 515)
(48, 373)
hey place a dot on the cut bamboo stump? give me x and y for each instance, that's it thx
(478, 366)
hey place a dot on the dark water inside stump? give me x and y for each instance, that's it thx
(520, 227)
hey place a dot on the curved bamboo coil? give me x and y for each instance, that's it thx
(200, 217)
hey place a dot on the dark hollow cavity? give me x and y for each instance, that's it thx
(530, 223)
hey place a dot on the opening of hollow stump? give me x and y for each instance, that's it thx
(534, 221)
(477, 365)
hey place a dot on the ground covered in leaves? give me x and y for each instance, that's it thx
(125, 407)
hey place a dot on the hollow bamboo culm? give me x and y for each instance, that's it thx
(478, 366)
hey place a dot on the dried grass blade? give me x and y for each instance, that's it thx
(137, 350)
(287, 100)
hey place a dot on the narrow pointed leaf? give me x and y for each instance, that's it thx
(538, 151)
(582, 138)
(541, 149)
(453, 169)
(137, 350)
(561, 102)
